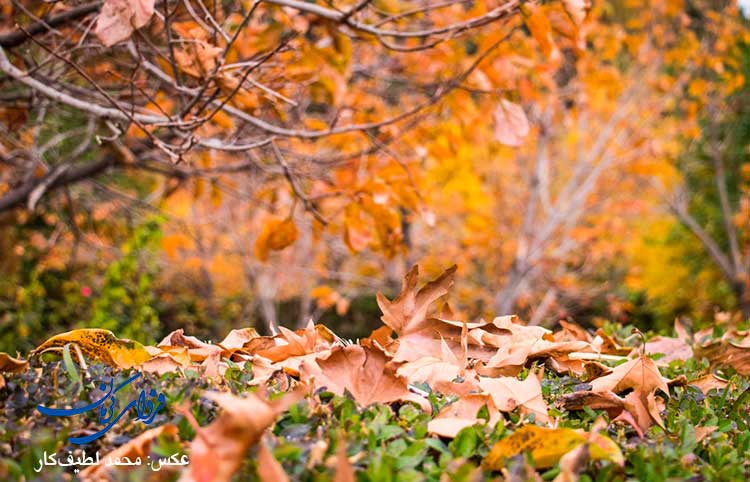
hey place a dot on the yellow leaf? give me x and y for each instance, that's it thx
(100, 345)
(276, 235)
(548, 445)
(540, 28)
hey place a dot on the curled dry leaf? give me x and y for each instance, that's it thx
(365, 373)
(671, 348)
(407, 313)
(733, 349)
(508, 393)
(708, 382)
(119, 18)
(140, 446)
(197, 350)
(219, 448)
(98, 344)
(640, 375)
(12, 365)
(463, 413)
(511, 124)
(236, 339)
(344, 468)
(269, 469)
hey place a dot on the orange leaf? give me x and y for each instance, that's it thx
(276, 235)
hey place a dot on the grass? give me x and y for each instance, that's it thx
(385, 442)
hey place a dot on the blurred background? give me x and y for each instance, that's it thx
(589, 162)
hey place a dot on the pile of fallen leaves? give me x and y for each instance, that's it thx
(427, 396)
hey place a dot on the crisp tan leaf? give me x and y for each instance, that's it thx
(672, 348)
(407, 313)
(139, 446)
(364, 372)
(509, 393)
(269, 469)
(219, 448)
(463, 413)
(12, 365)
(344, 468)
(641, 375)
(708, 382)
(236, 339)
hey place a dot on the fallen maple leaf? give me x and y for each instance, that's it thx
(509, 393)
(219, 448)
(236, 339)
(344, 468)
(671, 348)
(708, 382)
(365, 373)
(463, 413)
(407, 313)
(641, 375)
(732, 349)
(269, 469)
(138, 447)
(12, 365)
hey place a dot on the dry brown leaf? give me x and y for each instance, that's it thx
(269, 469)
(118, 19)
(219, 448)
(572, 331)
(407, 313)
(702, 432)
(641, 375)
(603, 343)
(140, 446)
(733, 349)
(672, 348)
(236, 339)
(12, 365)
(708, 382)
(365, 373)
(508, 393)
(161, 364)
(463, 413)
(344, 468)
(431, 370)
